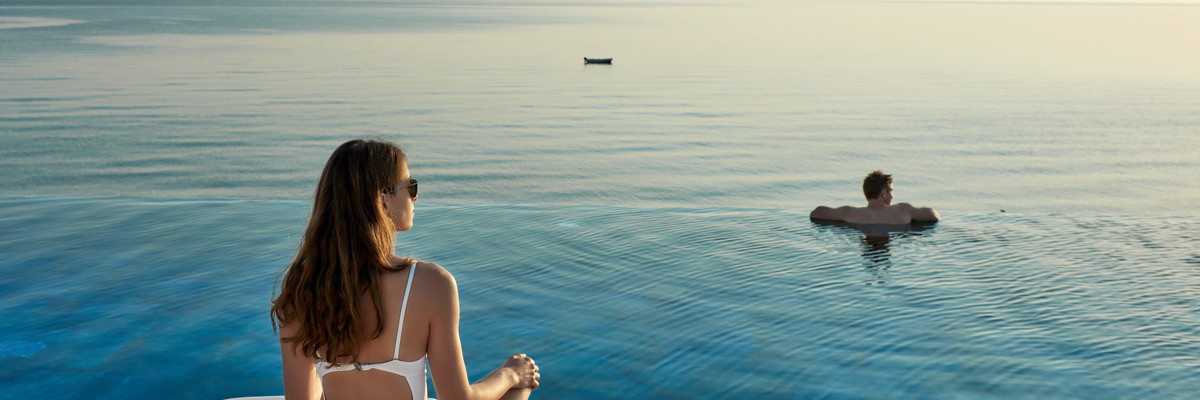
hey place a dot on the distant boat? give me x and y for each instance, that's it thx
(597, 60)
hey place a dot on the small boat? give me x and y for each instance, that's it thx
(597, 60)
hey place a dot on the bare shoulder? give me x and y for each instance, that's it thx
(427, 277)
(288, 330)
(829, 213)
(920, 214)
(434, 276)
(432, 270)
(440, 289)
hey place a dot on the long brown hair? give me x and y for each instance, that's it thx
(346, 245)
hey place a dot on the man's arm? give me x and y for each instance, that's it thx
(923, 214)
(832, 214)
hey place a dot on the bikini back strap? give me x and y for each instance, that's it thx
(412, 268)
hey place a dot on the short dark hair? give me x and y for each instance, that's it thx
(874, 183)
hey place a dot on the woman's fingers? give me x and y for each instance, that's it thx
(527, 368)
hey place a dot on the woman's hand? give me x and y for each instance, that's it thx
(525, 370)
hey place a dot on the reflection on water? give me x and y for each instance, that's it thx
(876, 256)
(876, 241)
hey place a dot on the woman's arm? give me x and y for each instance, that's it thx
(300, 381)
(445, 352)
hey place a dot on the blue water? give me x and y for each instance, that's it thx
(145, 297)
(641, 228)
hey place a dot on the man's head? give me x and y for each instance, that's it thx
(878, 185)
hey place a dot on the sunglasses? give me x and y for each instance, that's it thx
(412, 188)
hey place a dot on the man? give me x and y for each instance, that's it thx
(879, 210)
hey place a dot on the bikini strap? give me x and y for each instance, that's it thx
(412, 268)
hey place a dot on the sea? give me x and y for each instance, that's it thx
(640, 228)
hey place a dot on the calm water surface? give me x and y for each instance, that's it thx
(619, 302)
(975, 106)
(640, 228)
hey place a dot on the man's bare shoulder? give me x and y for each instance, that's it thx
(920, 214)
(830, 213)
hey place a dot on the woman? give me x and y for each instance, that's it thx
(356, 321)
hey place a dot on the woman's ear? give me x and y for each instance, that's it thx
(383, 201)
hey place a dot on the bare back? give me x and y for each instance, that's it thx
(899, 214)
(889, 215)
(376, 383)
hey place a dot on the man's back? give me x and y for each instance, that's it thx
(877, 188)
(899, 214)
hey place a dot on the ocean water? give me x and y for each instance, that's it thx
(1088, 108)
(625, 302)
(639, 228)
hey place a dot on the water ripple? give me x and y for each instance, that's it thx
(656, 300)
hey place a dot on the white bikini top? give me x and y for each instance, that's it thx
(413, 371)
